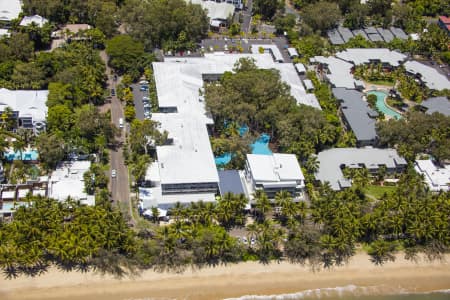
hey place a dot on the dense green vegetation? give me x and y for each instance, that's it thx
(258, 99)
(165, 24)
(418, 133)
(325, 233)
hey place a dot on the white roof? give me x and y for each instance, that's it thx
(38, 20)
(10, 9)
(27, 103)
(300, 68)
(273, 49)
(359, 56)
(436, 178)
(216, 10)
(67, 181)
(430, 76)
(4, 32)
(277, 167)
(308, 84)
(339, 71)
(330, 162)
(178, 81)
(152, 197)
(292, 52)
(190, 159)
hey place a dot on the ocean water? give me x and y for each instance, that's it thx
(352, 292)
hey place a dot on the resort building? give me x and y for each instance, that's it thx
(231, 181)
(333, 161)
(342, 35)
(28, 107)
(337, 72)
(185, 169)
(429, 76)
(36, 19)
(274, 173)
(437, 105)
(268, 48)
(68, 181)
(357, 115)
(292, 52)
(238, 4)
(384, 56)
(437, 178)
(218, 12)
(444, 23)
(10, 10)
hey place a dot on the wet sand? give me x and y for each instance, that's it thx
(221, 282)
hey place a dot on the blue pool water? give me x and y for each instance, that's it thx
(26, 155)
(381, 105)
(223, 159)
(261, 145)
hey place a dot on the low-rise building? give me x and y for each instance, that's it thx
(357, 115)
(333, 161)
(68, 181)
(36, 19)
(444, 23)
(275, 173)
(361, 56)
(29, 108)
(9, 10)
(429, 76)
(437, 105)
(337, 72)
(218, 12)
(437, 178)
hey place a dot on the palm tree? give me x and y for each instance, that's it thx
(284, 200)
(262, 204)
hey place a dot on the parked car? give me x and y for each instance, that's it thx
(113, 173)
(113, 92)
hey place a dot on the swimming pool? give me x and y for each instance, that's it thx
(261, 145)
(223, 159)
(26, 155)
(381, 105)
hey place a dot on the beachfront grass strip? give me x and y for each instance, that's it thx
(377, 191)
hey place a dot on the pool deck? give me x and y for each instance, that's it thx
(384, 89)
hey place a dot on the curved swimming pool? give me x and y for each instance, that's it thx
(381, 105)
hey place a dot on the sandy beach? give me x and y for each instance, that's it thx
(222, 282)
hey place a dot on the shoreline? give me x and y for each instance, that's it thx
(234, 281)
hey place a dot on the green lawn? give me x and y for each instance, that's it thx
(378, 191)
(381, 82)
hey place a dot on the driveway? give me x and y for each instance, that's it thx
(137, 98)
(247, 17)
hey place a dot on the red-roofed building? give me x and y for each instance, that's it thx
(444, 23)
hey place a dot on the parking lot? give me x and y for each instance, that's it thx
(141, 100)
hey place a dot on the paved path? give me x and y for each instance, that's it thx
(119, 186)
(247, 17)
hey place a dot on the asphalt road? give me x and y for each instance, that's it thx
(247, 16)
(119, 186)
(137, 98)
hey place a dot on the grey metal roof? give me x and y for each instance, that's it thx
(386, 34)
(345, 33)
(429, 75)
(375, 37)
(361, 33)
(437, 104)
(330, 162)
(335, 37)
(357, 113)
(370, 30)
(399, 33)
(230, 182)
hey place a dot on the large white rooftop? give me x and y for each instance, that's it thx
(339, 71)
(67, 181)
(27, 103)
(430, 76)
(10, 9)
(331, 161)
(277, 167)
(437, 178)
(369, 55)
(36, 19)
(190, 158)
(216, 10)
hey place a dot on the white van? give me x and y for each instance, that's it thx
(120, 123)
